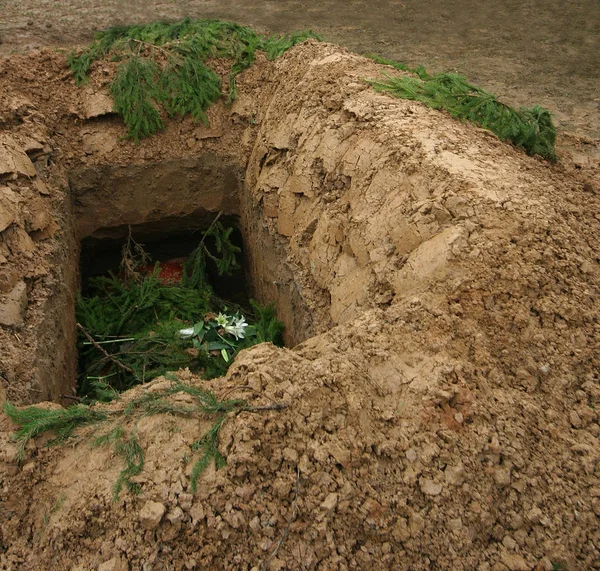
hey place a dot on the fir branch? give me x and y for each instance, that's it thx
(530, 129)
(134, 90)
(133, 455)
(209, 444)
(189, 87)
(268, 328)
(185, 84)
(34, 421)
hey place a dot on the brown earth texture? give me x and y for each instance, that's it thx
(437, 404)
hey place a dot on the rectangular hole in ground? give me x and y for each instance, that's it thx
(131, 321)
(177, 198)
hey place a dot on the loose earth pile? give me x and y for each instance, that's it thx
(442, 410)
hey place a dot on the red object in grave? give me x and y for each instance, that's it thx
(170, 273)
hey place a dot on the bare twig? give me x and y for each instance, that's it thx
(210, 227)
(147, 45)
(133, 257)
(265, 565)
(154, 47)
(107, 355)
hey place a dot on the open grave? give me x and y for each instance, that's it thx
(435, 404)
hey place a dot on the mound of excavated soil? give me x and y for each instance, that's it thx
(442, 406)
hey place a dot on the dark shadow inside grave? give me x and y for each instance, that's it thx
(166, 241)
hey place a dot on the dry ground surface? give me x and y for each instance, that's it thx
(526, 52)
(444, 412)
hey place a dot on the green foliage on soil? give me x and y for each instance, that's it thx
(209, 447)
(33, 421)
(167, 64)
(134, 327)
(132, 454)
(528, 128)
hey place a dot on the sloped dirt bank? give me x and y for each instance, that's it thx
(443, 412)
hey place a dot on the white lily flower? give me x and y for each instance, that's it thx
(223, 320)
(237, 327)
(185, 333)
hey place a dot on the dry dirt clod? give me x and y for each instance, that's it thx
(114, 564)
(514, 561)
(454, 475)
(502, 477)
(13, 305)
(8, 208)
(575, 419)
(13, 159)
(175, 515)
(330, 502)
(455, 525)
(18, 241)
(429, 487)
(151, 514)
(95, 104)
(8, 278)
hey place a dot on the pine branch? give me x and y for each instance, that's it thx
(184, 84)
(133, 91)
(531, 129)
(133, 455)
(34, 421)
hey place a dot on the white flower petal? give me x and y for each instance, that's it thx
(186, 332)
(223, 319)
(237, 330)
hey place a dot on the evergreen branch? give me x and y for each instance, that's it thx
(34, 421)
(133, 455)
(531, 129)
(210, 451)
(186, 84)
(112, 436)
(133, 91)
(189, 87)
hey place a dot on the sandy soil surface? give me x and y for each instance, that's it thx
(527, 52)
(444, 412)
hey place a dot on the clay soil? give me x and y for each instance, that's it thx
(526, 52)
(439, 396)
